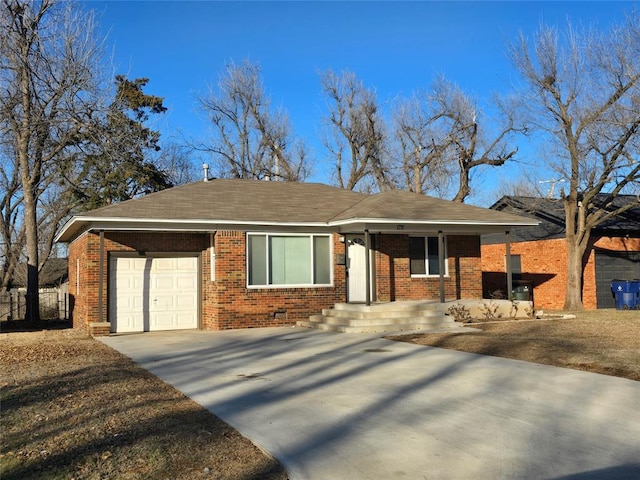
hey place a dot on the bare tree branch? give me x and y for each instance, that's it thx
(355, 127)
(250, 139)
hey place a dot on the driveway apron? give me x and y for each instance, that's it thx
(343, 406)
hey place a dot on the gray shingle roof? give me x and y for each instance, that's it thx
(550, 213)
(404, 205)
(253, 202)
(238, 200)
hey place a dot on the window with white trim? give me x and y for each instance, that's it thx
(288, 260)
(423, 255)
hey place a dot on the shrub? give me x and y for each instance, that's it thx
(460, 313)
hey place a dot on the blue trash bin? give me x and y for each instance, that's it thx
(625, 292)
(635, 288)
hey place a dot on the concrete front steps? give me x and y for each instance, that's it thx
(426, 316)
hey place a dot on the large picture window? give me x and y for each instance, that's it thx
(423, 254)
(288, 260)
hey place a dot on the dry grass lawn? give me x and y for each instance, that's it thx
(602, 341)
(72, 408)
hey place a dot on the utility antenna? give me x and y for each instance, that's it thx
(276, 166)
(552, 186)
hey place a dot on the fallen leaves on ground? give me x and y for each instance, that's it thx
(73, 408)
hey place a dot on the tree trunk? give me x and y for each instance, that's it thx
(31, 227)
(463, 186)
(577, 242)
(417, 183)
(575, 270)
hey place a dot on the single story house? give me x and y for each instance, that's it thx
(539, 255)
(226, 254)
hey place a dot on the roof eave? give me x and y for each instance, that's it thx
(400, 225)
(78, 225)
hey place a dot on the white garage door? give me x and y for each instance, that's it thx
(148, 294)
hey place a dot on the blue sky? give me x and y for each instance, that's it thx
(396, 47)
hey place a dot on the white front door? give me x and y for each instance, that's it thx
(357, 265)
(147, 294)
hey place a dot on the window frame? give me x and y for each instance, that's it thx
(426, 258)
(311, 239)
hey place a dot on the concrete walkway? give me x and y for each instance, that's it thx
(340, 406)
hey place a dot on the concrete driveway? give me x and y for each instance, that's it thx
(339, 406)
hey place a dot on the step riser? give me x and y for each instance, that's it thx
(391, 306)
(329, 312)
(358, 322)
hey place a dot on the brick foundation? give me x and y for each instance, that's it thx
(99, 329)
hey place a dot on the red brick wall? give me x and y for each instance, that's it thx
(544, 263)
(238, 306)
(394, 281)
(228, 303)
(79, 293)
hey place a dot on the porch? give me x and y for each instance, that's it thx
(411, 315)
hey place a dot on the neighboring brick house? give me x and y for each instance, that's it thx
(229, 254)
(539, 253)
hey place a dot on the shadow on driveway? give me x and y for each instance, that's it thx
(337, 406)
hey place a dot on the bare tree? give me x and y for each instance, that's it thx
(444, 136)
(48, 57)
(421, 144)
(175, 160)
(582, 95)
(251, 140)
(357, 134)
(472, 143)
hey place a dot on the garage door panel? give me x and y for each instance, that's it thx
(183, 321)
(186, 282)
(164, 264)
(186, 301)
(162, 321)
(186, 263)
(163, 284)
(153, 293)
(610, 266)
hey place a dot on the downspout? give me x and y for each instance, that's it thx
(441, 263)
(507, 245)
(367, 269)
(101, 277)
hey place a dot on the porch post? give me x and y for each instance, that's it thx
(507, 245)
(101, 277)
(441, 263)
(367, 248)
